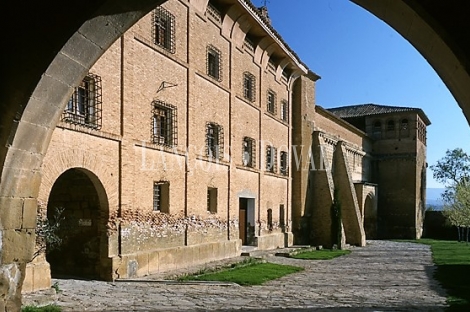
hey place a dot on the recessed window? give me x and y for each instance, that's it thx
(404, 128)
(284, 165)
(249, 86)
(271, 64)
(390, 129)
(214, 140)
(84, 106)
(377, 130)
(285, 111)
(212, 199)
(214, 68)
(285, 74)
(271, 159)
(248, 152)
(270, 219)
(164, 29)
(161, 196)
(164, 125)
(271, 101)
(282, 216)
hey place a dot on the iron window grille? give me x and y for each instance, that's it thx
(212, 200)
(271, 159)
(284, 163)
(164, 29)
(214, 63)
(285, 110)
(270, 219)
(249, 152)
(164, 124)
(249, 89)
(214, 140)
(85, 105)
(161, 192)
(271, 101)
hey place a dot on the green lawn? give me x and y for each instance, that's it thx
(324, 254)
(250, 274)
(453, 271)
(48, 308)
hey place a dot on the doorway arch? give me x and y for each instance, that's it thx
(370, 217)
(79, 198)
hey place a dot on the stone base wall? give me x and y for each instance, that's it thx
(37, 276)
(271, 241)
(163, 260)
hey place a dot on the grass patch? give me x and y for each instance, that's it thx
(48, 308)
(251, 272)
(324, 254)
(453, 270)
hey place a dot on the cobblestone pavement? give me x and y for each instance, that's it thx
(383, 276)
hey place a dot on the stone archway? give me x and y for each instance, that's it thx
(42, 57)
(370, 217)
(84, 209)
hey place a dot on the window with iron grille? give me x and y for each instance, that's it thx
(249, 152)
(270, 219)
(271, 101)
(164, 124)
(214, 140)
(271, 159)
(285, 74)
(284, 165)
(212, 199)
(214, 62)
(84, 106)
(164, 29)
(249, 44)
(285, 110)
(249, 86)
(161, 196)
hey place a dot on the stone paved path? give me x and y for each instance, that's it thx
(383, 276)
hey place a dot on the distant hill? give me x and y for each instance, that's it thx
(433, 198)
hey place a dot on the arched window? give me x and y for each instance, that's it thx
(390, 129)
(404, 128)
(377, 130)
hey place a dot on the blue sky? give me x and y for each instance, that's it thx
(363, 60)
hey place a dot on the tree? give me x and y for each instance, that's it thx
(454, 172)
(457, 211)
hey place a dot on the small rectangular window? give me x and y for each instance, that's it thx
(271, 159)
(161, 196)
(282, 216)
(270, 219)
(164, 124)
(285, 111)
(284, 165)
(212, 199)
(214, 68)
(249, 152)
(214, 140)
(214, 12)
(164, 29)
(249, 86)
(84, 106)
(271, 107)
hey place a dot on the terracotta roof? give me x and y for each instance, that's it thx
(370, 109)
